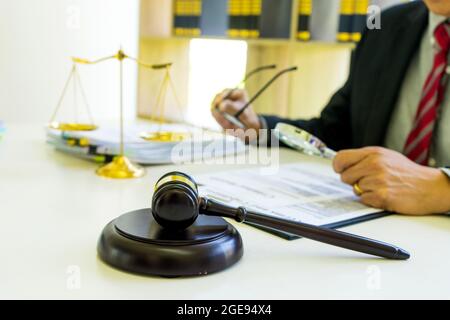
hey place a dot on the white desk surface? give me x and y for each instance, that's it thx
(53, 208)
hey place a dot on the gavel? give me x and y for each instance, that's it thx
(176, 204)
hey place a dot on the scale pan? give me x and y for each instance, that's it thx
(67, 126)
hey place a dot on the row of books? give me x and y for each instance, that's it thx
(352, 20)
(233, 18)
(341, 20)
(323, 20)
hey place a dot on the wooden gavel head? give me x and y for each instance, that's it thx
(175, 203)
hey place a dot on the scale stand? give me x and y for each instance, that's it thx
(121, 167)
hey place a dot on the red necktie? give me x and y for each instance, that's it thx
(418, 144)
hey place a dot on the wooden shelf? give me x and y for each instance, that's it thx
(259, 41)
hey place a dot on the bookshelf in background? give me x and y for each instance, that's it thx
(302, 20)
(319, 61)
(322, 59)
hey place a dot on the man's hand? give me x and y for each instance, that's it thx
(392, 182)
(232, 105)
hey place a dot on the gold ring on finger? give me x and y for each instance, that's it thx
(358, 189)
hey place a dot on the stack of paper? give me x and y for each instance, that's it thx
(306, 192)
(103, 144)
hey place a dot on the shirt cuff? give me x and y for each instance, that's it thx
(262, 138)
(262, 122)
(266, 136)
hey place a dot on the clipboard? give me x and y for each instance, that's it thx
(302, 191)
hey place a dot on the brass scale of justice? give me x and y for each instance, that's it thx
(121, 167)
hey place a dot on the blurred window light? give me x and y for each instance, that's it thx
(214, 65)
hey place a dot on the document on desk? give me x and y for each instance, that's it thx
(307, 192)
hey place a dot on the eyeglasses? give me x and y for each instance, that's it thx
(234, 119)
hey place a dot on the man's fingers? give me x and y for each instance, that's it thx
(374, 199)
(222, 121)
(228, 107)
(220, 97)
(236, 94)
(348, 158)
(228, 94)
(366, 167)
(225, 106)
(217, 99)
(374, 192)
(371, 183)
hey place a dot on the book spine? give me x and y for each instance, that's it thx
(246, 13)
(304, 14)
(359, 20)
(196, 14)
(234, 13)
(255, 17)
(178, 7)
(345, 20)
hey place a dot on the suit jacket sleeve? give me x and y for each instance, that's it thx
(334, 124)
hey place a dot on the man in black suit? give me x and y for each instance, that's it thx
(391, 120)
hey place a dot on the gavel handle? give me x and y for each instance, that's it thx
(321, 234)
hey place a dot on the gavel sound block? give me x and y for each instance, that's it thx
(136, 243)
